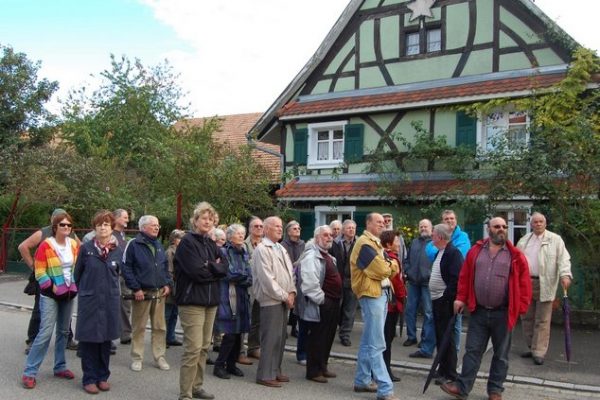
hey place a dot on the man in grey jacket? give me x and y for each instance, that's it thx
(417, 268)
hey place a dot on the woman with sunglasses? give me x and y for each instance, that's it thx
(53, 264)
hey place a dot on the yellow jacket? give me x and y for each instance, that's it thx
(369, 266)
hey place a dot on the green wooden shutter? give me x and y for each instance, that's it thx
(360, 217)
(300, 146)
(307, 225)
(466, 130)
(353, 142)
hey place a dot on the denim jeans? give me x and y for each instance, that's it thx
(52, 313)
(171, 315)
(483, 325)
(370, 365)
(458, 332)
(301, 340)
(419, 294)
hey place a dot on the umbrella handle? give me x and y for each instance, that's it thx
(565, 293)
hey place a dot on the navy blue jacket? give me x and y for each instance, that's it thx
(199, 267)
(417, 265)
(98, 315)
(145, 264)
(450, 265)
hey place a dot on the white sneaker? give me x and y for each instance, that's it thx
(161, 363)
(136, 366)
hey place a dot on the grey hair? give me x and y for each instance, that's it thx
(175, 234)
(446, 212)
(348, 222)
(443, 231)
(233, 229)
(117, 213)
(536, 213)
(320, 229)
(335, 222)
(145, 220)
(218, 233)
(270, 221)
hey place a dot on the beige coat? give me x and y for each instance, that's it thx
(554, 262)
(273, 274)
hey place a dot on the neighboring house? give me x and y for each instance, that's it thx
(387, 63)
(233, 129)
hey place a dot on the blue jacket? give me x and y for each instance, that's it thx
(145, 264)
(459, 239)
(417, 265)
(98, 318)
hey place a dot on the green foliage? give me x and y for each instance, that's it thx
(22, 100)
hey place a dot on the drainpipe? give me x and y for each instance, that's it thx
(252, 143)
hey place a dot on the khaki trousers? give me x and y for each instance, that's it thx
(140, 311)
(536, 322)
(197, 323)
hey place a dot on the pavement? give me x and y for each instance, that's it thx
(556, 379)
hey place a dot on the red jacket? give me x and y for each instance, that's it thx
(398, 286)
(519, 282)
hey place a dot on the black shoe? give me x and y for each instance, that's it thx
(294, 332)
(235, 371)
(209, 361)
(113, 348)
(346, 342)
(126, 341)
(409, 342)
(527, 354)
(419, 354)
(216, 348)
(174, 343)
(538, 360)
(395, 378)
(221, 372)
(27, 348)
(72, 345)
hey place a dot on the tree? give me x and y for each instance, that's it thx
(22, 100)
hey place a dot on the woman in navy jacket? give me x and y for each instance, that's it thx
(98, 321)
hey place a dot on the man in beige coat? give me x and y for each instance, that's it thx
(275, 290)
(549, 262)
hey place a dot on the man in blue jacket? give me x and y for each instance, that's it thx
(146, 275)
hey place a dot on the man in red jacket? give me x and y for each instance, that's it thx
(495, 286)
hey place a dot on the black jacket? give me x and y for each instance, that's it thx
(342, 259)
(450, 265)
(198, 268)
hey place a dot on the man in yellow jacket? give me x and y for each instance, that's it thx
(549, 262)
(370, 271)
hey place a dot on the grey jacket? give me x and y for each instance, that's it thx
(310, 276)
(417, 265)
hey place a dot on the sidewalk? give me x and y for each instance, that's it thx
(581, 374)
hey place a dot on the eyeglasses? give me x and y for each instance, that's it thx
(64, 224)
(257, 226)
(500, 226)
(154, 226)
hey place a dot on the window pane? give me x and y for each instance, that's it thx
(338, 134)
(412, 43)
(338, 150)
(434, 40)
(323, 135)
(520, 218)
(323, 151)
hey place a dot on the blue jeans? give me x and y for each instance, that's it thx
(52, 312)
(483, 325)
(457, 332)
(419, 294)
(370, 365)
(301, 342)
(171, 315)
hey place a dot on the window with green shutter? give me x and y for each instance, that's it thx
(353, 142)
(466, 130)
(300, 146)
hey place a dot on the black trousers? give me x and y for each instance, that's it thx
(443, 309)
(389, 332)
(35, 319)
(95, 360)
(319, 338)
(229, 351)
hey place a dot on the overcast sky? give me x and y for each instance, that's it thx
(234, 56)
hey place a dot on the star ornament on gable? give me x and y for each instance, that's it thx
(420, 8)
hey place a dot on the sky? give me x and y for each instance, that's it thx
(234, 56)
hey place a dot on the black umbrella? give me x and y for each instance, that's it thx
(441, 350)
(567, 324)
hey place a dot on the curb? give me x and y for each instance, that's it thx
(516, 379)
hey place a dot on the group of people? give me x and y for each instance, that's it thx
(245, 287)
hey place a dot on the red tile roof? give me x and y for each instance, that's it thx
(296, 189)
(490, 88)
(233, 131)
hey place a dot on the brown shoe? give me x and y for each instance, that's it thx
(91, 388)
(268, 383)
(320, 379)
(495, 396)
(244, 360)
(282, 378)
(254, 354)
(104, 386)
(453, 390)
(370, 388)
(329, 374)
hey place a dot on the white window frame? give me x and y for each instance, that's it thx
(321, 213)
(414, 48)
(313, 129)
(509, 209)
(502, 117)
(428, 43)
